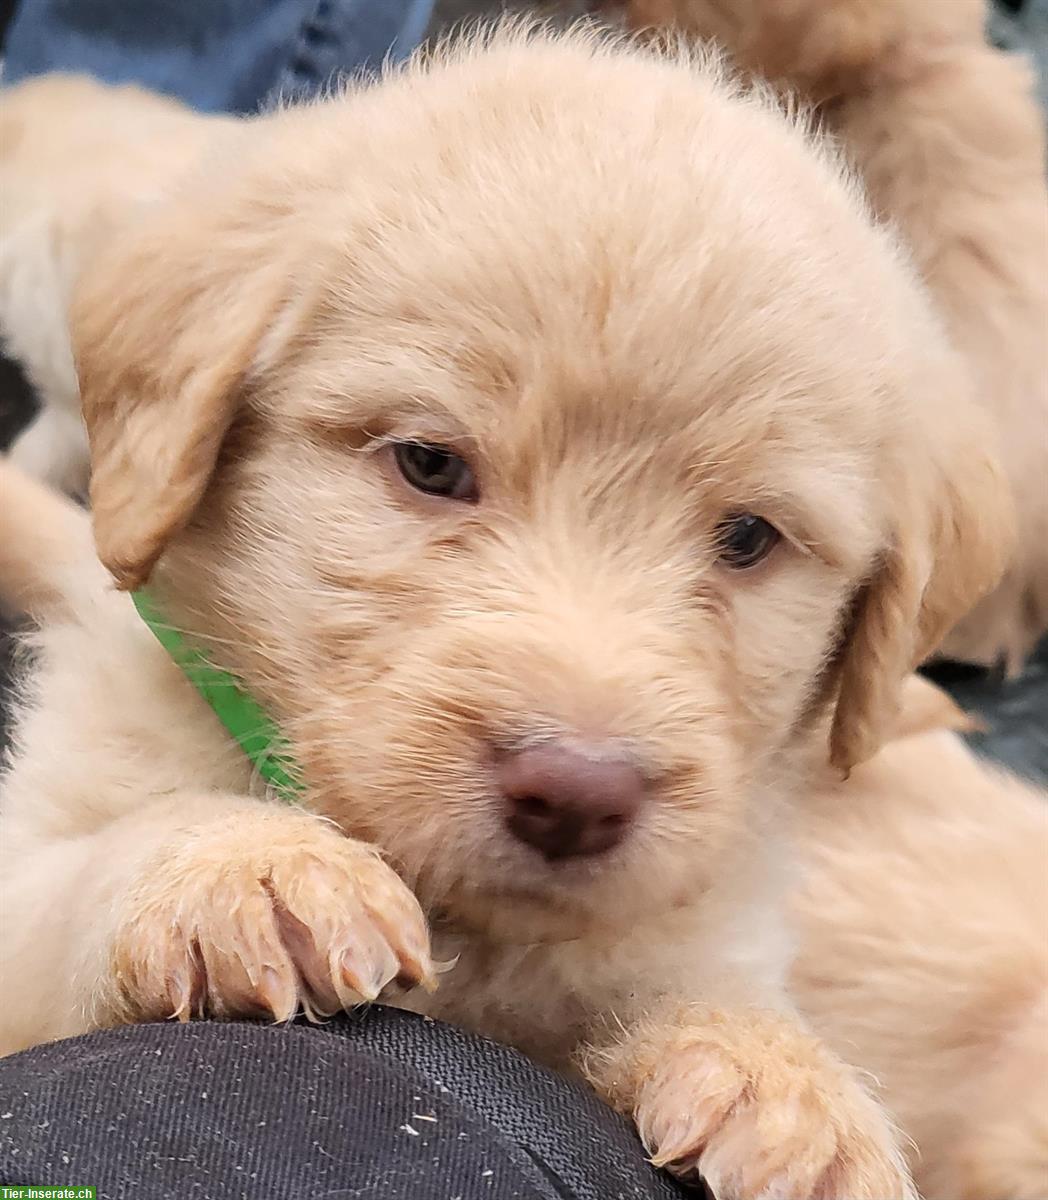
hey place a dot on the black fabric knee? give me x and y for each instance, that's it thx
(381, 1105)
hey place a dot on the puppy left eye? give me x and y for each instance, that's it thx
(744, 540)
(435, 470)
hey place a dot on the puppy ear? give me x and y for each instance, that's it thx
(166, 330)
(950, 540)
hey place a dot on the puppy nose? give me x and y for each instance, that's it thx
(567, 804)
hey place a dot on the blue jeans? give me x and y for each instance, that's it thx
(216, 55)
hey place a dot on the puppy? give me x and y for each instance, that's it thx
(77, 161)
(923, 955)
(949, 139)
(554, 449)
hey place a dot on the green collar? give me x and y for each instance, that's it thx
(254, 732)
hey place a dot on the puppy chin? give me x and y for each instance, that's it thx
(568, 903)
(520, 917)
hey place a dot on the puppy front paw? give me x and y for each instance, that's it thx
(260, 915)
(760, 1111)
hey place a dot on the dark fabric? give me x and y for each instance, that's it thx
(17, 401)
(216, 1111)
(7, 11)
(17, 404)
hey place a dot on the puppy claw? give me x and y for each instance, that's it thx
(178, 995)
(295, 916)
(409, 938)
(279, 998)
(361, 975)
(416, 971)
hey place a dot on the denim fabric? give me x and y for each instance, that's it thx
(216, 55)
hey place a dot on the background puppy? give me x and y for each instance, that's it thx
(949, 139)
(923, 956)
(556, 450)
(78, 160)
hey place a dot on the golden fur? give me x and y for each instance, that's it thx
(638, 300)
(949, 139)
(78, 160)
(923, 957)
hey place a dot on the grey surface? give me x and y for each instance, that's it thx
(1023, 27)
(1014, 713)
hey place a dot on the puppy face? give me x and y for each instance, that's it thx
(554, 456)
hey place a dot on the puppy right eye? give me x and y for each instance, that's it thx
(745, 540)
(435, 470)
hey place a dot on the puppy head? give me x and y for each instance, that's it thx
(545, 436)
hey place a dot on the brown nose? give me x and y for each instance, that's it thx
(566, 803)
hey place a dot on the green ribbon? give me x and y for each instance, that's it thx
(248, 725)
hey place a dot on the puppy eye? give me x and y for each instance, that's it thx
(744, 540)
(435, 470)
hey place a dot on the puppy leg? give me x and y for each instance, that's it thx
(44, 542)
(754, 1105)
(201, 904)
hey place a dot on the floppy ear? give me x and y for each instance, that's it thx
(950, 540)
(166, 329)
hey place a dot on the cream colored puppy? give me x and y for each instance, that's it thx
(554, 448)
(78, 160)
